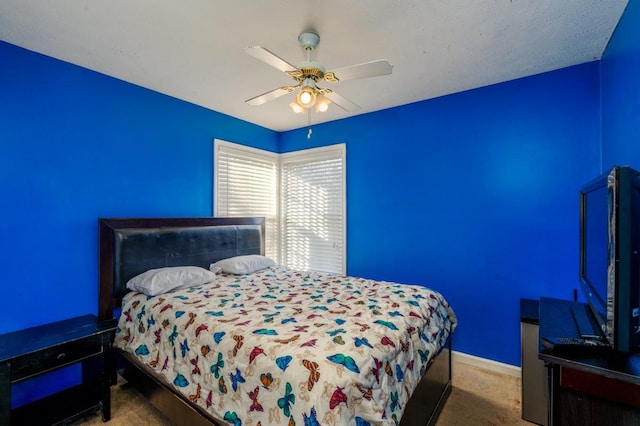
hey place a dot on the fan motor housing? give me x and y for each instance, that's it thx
(308, 69)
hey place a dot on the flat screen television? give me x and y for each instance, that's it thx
(609, 255)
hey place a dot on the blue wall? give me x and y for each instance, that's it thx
(474, 194)
(77, 145)
(621, 92)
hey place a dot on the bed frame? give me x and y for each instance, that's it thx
(128, 247)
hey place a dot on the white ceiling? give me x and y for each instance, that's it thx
(194, 49)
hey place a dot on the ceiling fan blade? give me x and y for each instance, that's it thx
(269, 58)
(364, 70)
(341, 101)
(269, 96)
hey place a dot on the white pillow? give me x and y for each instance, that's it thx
(162, 280)
(242, 264)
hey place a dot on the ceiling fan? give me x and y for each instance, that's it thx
(309, 74)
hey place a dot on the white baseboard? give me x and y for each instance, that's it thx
(487, 364)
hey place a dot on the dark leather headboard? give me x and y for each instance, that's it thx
(128, 247)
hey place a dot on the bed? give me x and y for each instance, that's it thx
(273, 346)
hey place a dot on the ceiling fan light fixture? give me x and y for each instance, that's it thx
(307, 97)
(296, 108)
(322, 103)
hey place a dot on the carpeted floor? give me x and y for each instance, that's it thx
(482, 397)
(479, 397)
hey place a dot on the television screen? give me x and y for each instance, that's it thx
(610, 255)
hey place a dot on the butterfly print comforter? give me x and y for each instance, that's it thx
(281, 347)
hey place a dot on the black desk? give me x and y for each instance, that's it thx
(38, 350)
(587, 387)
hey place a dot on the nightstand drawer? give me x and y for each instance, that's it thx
(58, 356)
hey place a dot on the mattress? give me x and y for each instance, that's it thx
(282, 347)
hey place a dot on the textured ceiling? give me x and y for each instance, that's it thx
(194, 49)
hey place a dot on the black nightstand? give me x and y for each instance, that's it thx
(28, 353)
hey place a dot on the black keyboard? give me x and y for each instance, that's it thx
(561, 343)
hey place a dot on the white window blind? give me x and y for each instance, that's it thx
(313, 209)
(301, 194)
(246, 184)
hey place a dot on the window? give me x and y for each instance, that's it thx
(312, 209)
(302, 195)
(246, 184)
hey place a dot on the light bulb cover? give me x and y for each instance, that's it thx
(307, 97)
(296, 108)
(322, 103)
